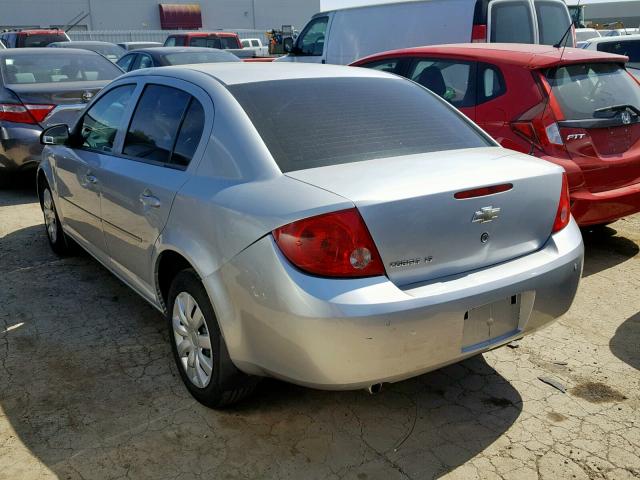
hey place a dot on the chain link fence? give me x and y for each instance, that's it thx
(118, 36)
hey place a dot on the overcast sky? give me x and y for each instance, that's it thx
(333, 4)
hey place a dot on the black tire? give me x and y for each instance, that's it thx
(58, 240)
(227, 384)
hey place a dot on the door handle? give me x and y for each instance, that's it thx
(149, 200)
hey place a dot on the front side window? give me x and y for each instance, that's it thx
(553, 22)
(594, 91)
(99, 126)
(451, 80)
(308, 123)
(171, 42)
(155, 123)
(629, 48)
(311, 40)
(144, 61)
(255, 43)
(198, 42)
(511, 22)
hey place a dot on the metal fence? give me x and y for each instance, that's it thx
(117, 36)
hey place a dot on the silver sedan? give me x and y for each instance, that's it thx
(334, 227)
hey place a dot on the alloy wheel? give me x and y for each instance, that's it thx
(50, 219)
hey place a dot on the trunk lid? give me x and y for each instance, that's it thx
(423, 232)
(69, 98)
(600, 107)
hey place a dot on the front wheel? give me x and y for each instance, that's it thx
(56, 236)
(198, 347)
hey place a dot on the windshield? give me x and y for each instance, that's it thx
(60, 68)
(42, 39)
(308, 123)
(588, 35)
(584, 88)
(630, 48)
(185, 58)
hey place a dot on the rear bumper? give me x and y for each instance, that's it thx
(347, 334)
(605, 207)
(20, 146)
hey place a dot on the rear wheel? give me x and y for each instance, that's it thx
(198, 347)
(57, 238)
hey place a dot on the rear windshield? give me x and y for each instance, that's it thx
(184, 58)
(553, 22)
(222, 43)
(41, 39)
(308, 123)
(60, 68)
(585, 88)
(630, 48)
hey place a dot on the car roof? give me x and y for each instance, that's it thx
(237, 73)
(25, 52)
(168, 50)
(36, 31)
(84, 42)
(525, 55)
(204, 34)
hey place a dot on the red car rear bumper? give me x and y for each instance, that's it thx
(605, 207)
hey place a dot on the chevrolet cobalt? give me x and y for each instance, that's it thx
(330, 226)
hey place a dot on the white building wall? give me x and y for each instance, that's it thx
(143, 14)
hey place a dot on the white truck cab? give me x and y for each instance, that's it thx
(344, 35)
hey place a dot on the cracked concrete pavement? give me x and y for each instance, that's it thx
(88, 388)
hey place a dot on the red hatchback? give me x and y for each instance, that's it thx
(577, 108)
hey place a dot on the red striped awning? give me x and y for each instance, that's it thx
(180, 16)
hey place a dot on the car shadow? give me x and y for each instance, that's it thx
(605, 248)
(626, 340)
(88, 384)
(18, 190)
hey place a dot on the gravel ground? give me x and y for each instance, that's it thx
(88, 388)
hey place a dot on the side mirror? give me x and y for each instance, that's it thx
(288, 45)
(55, 135)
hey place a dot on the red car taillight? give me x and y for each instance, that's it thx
(563, 216)
(479, 34)
(336, 244)
(539, 126)
(29, 113)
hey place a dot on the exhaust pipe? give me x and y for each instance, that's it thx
(374, 389)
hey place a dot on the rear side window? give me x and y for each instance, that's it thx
(198, 42)
(630, 48)
(144, 61)
(589, 91)
(511, 21)
(189, 135)
(155, 123)
(255, 43)
(389, 65)
(553, 22)
(100, 124)
(491, 83)
(59, 68)
(450, 80)
(308, 123)
(125, 62)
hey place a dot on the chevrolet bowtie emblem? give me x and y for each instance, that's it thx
(486, 215)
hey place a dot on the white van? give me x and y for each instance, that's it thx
(344, 35)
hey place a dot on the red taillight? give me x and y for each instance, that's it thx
(336, 244)
(29, 113)
(563, 216)
(479, 34)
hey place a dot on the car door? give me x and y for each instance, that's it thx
(140, 183)
(453, 80)
(77, 167)
(512, 21)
